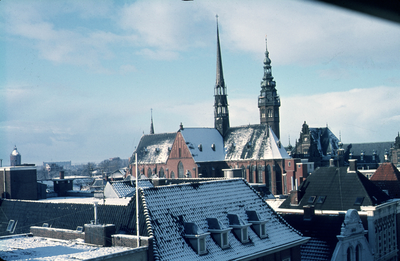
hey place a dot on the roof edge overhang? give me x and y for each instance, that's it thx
(255, 255)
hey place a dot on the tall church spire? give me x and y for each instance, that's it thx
(269, 101)
(221, 114)
(151, 125)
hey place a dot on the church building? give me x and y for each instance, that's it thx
(254, 151)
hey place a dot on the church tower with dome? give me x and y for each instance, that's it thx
(269, 101)
(15, 158)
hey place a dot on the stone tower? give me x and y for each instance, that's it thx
(221, 114)
(15, 158)
(269, 101)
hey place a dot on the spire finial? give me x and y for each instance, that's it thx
(151, 125)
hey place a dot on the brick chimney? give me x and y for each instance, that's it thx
(61, 174)
(352, 164)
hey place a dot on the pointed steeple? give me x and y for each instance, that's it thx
(269, 101)
(221, 114)
(151, 125)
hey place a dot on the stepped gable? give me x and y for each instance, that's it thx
(341, 189)
(387, 177)
(154, 148)
(200, 143)
(253, 142)
(68, 216)
(170, 206)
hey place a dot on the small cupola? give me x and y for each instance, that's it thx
(258, 225)
(219, 232)
(196, 237)
(240, 228)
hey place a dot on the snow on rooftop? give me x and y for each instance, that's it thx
(204, 137)
(39, 248)
(88, 200)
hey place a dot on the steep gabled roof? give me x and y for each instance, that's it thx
(253, 142)
(168, 207)
(341, 189)
(387, 177)
(326, 141)
(154, 148)
(200, 143)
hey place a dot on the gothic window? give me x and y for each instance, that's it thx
(259, 175)
(251, 174)
(180, 170)
(269, 113)
(263, 113)
(268, 178)
(358, 253)
(349, 254)
(162, 175)
(180, 152)
(243, 172)
(149, 173)
(172, 175)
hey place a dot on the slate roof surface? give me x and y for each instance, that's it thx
(169, 206)
(206, 137)
(253, 142)
(67, 215)
(387, 177)
(368, 149)
(154, 148)
(128, 188)
(341, 189)
(326, 141)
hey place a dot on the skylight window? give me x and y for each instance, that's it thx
(359, 201)
(321, 199)
(311, 199)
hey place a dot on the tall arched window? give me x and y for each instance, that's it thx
(172, 175)
(251, 174)
(162, 175)
(349, 254)
(358, 253)
(270, 113)
(243, 172)
(268, 178)
(180, 170)
(149, 173)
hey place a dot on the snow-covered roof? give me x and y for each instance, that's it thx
(168, 207)
(253, 142)
(205, 144)
(39, 248)
(327, 142)
(154, 148)
(122, 189)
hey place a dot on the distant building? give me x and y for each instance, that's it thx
(205, 152)
(63, 164)
(395, 151)
(19, 182)
(387, 178)
(15, 157)
(318, 145)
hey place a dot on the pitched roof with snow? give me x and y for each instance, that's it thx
(326, 141)
(387, 177)
(253, 142)
(154, 148)
(205, 144)
(331, 188)
(124, 189)
(168, 207)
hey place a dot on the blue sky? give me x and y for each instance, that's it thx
(78, 78)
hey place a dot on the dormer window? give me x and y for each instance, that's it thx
(258, 225)
(219, 232)
(213, 147)
(240, 228)
(157, 150)
(196, 237)
(200, 147)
